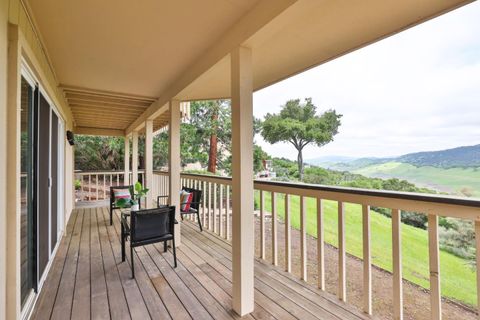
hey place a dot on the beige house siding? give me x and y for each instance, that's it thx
(3, 152)
(19, 38)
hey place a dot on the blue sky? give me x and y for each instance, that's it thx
(415, 91)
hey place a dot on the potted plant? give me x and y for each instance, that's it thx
(133, 203)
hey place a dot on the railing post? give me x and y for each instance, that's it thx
(342, 283)
(204, 204)
(288, 235)
(227, 216)
(320, 246)
(209, 206)
(367, 263)
(82, 192)
(433, 254)
(220, 210)
(274, 229)
(397, 264)
(303, 237)
(477, 242)
(215, 230)
(262, 225)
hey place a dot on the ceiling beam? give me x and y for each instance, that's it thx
(254, 20)
(89, 91)
(99, 131)
(101, 100)
(91, 109)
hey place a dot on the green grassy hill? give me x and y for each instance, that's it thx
(458, 280)
(461, 181)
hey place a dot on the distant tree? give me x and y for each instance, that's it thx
(258, 156)
(98, 153)
(298, 124)
(208, 133)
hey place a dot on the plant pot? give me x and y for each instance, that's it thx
(135, 207)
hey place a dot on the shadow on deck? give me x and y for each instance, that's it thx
(88, 280)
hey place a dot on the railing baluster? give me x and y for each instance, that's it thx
(118, 179)
(227, 214)
(262, 225)
(82, 192)
(104, 188)
(220, 210)
(96, 186)
(367, 262)
(477, 242)
(204, 204)
(320, 246)
(209, 206)
(274, 230)
(433, 253)
(303, 237)
(215, 230)
(89, 187)
(288, 235)
(342, 284)
(397, 264)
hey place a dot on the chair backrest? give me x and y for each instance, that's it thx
(196, 198)
(152, 223)
(112, 195)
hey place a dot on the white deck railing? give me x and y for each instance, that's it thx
(216, 217)
(216, 213)
(95, 185)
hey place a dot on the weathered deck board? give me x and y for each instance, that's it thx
(88, 280)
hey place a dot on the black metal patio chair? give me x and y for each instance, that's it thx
(194, 204)
(148, 226)
(113, 205)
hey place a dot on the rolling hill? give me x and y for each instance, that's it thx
(453, 171)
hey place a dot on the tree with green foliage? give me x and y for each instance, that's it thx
(208, 133)
(299, 124)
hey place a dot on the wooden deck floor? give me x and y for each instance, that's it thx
(89, 281)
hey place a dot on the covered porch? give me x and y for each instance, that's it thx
(128, 72)
(88, 280)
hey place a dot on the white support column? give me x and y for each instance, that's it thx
(134, 157)
(149, 162)
(174, 163)
(13, 157)
(242, 181)
(126, 161)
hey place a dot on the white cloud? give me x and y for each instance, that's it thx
(418, 90)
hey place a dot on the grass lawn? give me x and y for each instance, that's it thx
(458, 280)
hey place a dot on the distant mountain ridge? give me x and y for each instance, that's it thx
(460, 157)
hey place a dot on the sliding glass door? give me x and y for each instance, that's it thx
(42, 192)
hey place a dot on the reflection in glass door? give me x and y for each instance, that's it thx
(27, 241)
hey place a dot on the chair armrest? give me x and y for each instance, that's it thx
(125, 223)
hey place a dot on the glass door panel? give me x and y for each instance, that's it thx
(27, 241)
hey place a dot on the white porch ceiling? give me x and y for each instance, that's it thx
(179, 49)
